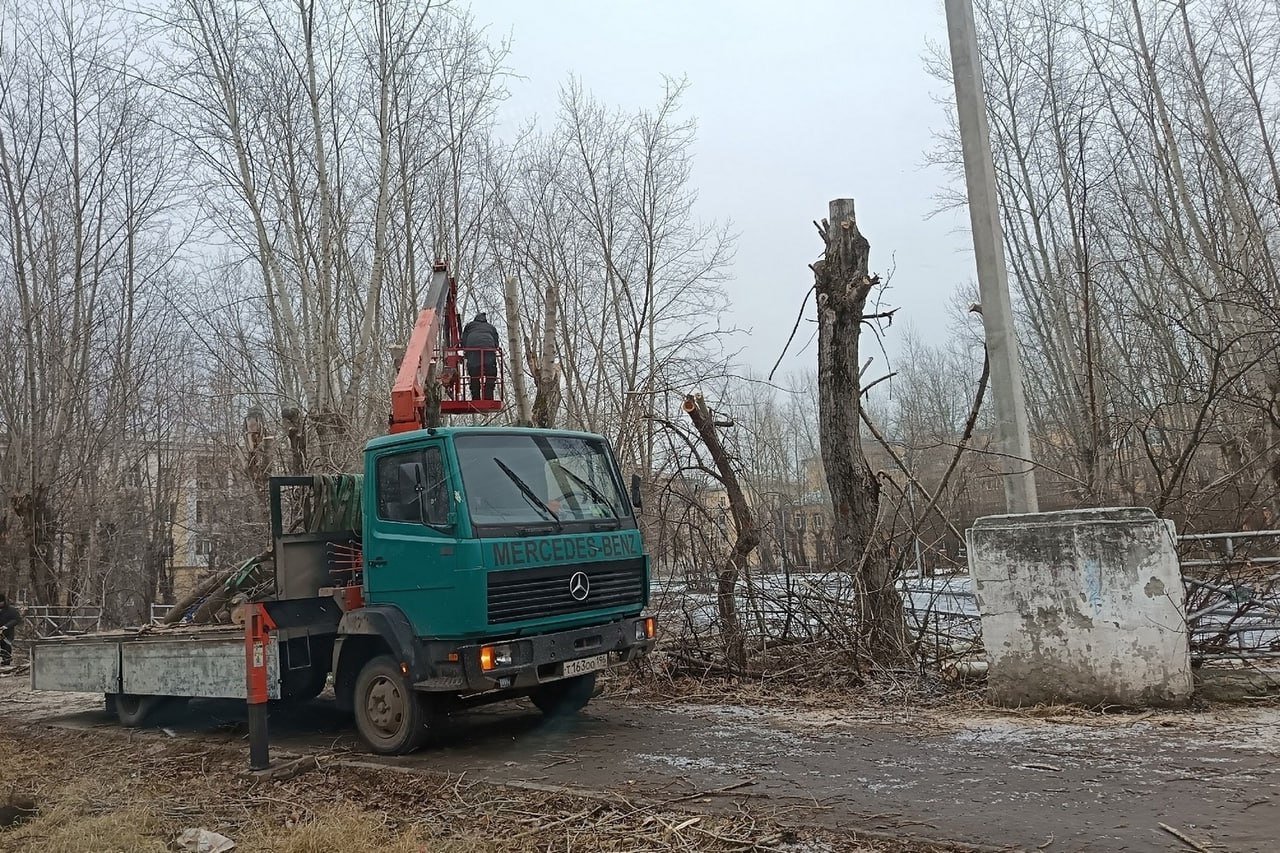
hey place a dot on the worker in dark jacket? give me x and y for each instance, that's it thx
(480, 340)
(9, 619)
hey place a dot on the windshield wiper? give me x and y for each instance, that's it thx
(529, 493)
(592, 490)
(537, 531)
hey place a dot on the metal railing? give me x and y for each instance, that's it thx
(1230, 547)
(53, 621)
(1232, 583)
(1233, 594)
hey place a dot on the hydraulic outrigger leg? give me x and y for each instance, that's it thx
(257, 635)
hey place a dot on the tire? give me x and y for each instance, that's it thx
(392, 718)
(304, 689)
(565, 697)
(133, 710)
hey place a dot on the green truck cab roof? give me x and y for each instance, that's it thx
(383, 441)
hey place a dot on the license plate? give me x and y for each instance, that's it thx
(584, 665)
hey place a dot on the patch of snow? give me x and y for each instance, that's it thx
(683, 762)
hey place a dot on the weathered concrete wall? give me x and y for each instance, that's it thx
(1082, 606)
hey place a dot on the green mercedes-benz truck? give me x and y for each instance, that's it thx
(477, 564)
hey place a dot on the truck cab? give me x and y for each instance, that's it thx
(497, 563)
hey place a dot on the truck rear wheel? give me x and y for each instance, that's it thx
(133, 710)
(393, 718)
(564, 697)
(304, 685)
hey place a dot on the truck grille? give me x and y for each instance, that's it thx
(515, 596)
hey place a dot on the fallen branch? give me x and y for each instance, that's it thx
(1190, 842)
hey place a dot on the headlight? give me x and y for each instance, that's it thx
(492, 657)
(645, 629)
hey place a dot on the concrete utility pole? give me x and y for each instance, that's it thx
(1012, 437)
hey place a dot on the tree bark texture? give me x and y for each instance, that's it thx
(293, 426)
(842, 284)
(515, 352)
(746, 535)
(546, 404)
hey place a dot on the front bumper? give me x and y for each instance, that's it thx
(541, 658)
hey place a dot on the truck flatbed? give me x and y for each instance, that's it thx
(189, 661)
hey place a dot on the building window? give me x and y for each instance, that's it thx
(202, 512)
(818, 521)
(206, 473)
(204, 547)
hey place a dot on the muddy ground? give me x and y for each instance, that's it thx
(935, 778)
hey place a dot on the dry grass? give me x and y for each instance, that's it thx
(62, 829)
(102, 791)
(658, 682)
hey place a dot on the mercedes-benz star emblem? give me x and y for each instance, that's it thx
(579, 586)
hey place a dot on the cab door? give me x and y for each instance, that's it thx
(409, 538)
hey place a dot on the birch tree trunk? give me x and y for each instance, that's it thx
(547, 403)
(515, 353)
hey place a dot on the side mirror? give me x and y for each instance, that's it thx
(637, 500)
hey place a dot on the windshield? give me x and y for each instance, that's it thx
(539, 480)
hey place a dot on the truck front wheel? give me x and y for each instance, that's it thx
(393, 719)
(564, 697)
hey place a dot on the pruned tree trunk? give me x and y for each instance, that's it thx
(33, 510)
(547, 403)
(515, 354)
(257, 454)
(293, 427)
(431, 417)
(746, 538)
(842, 283)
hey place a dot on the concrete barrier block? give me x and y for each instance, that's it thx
(1081, 606)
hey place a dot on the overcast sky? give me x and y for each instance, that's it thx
(796, 103)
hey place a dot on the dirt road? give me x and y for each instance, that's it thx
(983, 777)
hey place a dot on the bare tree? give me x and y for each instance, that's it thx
(317, 123)
(1136, 171)
(843, 283)
(88, 185)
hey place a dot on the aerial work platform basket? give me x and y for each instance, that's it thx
(473, 381)
(467, 380)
